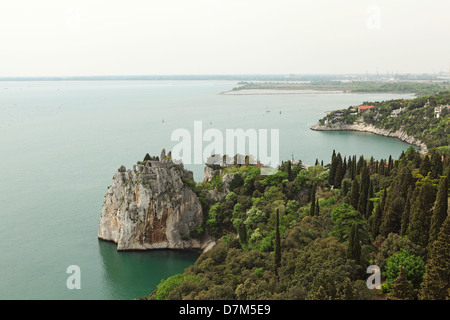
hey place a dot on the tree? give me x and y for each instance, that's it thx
(354, 246)
(436, 165)
(360, 164)
(277, 255)
(317, 208)
(147, 157)
(339, 172)
(378, 215)
(369, 207)
(332, 169)
(354, 198)
(436, 281)
(419, 225)
(364, 191)
(425, 166)
(289, 170)
(313, 201)
(392, 217)
(402, 289)
(405, 214)
(343, 218)
(440, 209)
(413, 265)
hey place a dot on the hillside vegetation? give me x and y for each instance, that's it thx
(311, 233)
(416, 117)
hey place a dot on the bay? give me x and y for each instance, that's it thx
(62, 141)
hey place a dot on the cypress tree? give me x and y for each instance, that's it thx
(392, 216)
(344, 165)
(339, 173)
(317, 162)
(382, 167)
(425, 166)
(317, 208)
(349, 167)
(407, 182)
(440, 209)
(402, 289)
(360, 164)
(436, 165)
(332, 169)
(371, 164)
(436, 282)
(417, 160)
(277, 255)
(289, 170)
(364, 190)
(419, 225)
(354, 199)
(147, 157)
(313, 201)
(354, 246)
(369, 207)
(406, 213)
(378, 215)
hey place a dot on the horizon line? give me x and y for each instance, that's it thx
(284, 76)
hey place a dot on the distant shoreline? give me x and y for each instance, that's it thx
(279, 91)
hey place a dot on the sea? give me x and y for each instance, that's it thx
(62, 141)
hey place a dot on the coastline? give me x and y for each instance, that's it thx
(401, 135)
(279, 91)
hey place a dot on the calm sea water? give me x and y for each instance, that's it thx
(61, 142)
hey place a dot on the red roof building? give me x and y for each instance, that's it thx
(362, 109)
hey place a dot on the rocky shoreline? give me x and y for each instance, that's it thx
(361, 127)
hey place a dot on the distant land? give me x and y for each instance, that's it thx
(418, 87)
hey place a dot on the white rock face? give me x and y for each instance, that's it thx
(399, 134)
(150, 207)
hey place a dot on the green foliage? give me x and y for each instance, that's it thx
(416, 119)
(413, 266)
(275, 179)
(436, 282)
(402, 289)
(419, 225)
(354, 245)
(164, 289)
(343, 218)
(440, 210)
(274, 246)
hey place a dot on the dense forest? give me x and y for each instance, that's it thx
(416, 117)
(311, 232)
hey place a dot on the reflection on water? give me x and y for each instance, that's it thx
(134, 274)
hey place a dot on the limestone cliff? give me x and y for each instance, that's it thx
(151, 207)
(362, 127)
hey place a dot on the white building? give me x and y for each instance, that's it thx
(438, 110)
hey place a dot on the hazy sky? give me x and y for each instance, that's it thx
(137, 37)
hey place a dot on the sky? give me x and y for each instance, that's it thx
(174, 37)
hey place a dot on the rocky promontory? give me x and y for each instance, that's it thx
(152, 206)
(362, 127)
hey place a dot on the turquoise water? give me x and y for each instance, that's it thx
(61, 142)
